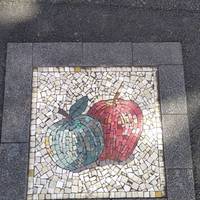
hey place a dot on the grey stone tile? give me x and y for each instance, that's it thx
(172, 89)
(16, 119)
(55, 54)
(157, 53)
(180, 184)
(107, 53)
(17, 98)
(13, 171)
(176, 141)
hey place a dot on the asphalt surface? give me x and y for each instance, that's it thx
(112, 21)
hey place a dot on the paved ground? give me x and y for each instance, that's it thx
(111, 21)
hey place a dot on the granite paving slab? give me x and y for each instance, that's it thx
(177, 140)
(180, 184)
(13, 171)
(107, 53)
(173, 95)
(17, 96)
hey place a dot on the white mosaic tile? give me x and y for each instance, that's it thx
(95, 133)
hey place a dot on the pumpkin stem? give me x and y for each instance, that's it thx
(117, 94)
(63, 112)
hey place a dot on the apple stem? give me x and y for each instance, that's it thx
(117, 94)
(63, 112)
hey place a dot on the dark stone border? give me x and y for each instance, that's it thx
(17, 96)
(21, 57)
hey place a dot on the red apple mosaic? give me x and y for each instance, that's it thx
(121, 121)
(95, 133)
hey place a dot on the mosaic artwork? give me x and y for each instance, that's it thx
(95, 133)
